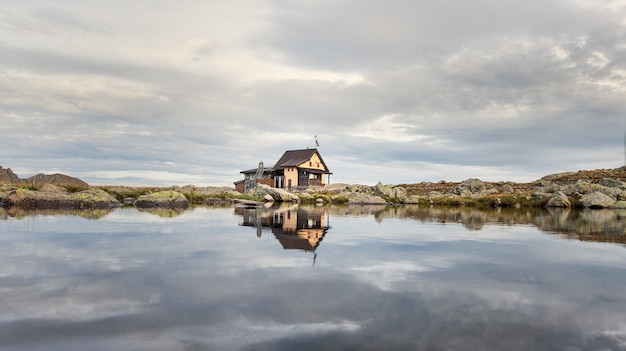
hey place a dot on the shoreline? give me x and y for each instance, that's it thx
(602, 188)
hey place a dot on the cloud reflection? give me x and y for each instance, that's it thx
(200, 281)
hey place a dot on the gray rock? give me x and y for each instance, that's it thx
(559, 199)
(507, 189)
(581, 187)
(394, 193)
(338, 187)
(279, 195)
(366, 199)
(612, 183)
(268, 198)
(434, 194)
(597, 200)
(474, 185)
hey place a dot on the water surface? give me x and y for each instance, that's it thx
(338, 278)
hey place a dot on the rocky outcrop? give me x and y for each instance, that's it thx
(601, 192)
(56, 179)
(8, 177)
(54, 197)
(163, 199)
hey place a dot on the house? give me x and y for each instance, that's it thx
(294, 169)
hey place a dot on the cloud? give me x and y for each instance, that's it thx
(484, 88)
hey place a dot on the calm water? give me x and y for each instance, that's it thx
(344, 278)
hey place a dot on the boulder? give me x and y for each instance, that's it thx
(94, 198)
(612, 183)
(366, 199)
(278, 195)
(473, 185)
(162, 199)
(413, 199)
(559, 199)
(597, 200)
(469, 187)
(268, 198)
(434, 194)
(392, 193)
(507, 189)
(581, 187)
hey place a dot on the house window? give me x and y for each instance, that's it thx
(310, 163)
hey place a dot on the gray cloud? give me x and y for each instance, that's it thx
(514, 90)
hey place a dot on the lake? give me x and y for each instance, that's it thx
(313, 278)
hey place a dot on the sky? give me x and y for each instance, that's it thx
(192, 92)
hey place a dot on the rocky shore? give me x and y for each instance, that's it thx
(604, 188)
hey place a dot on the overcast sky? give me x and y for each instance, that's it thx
(192, 92)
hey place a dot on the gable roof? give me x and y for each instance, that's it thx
(294, 158)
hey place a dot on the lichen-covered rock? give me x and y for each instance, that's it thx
(612, 183)
(53, 197)
(162, 199)
(559, 199)
(619, 204)
(581, 187)
(94, 198)
(597, 200)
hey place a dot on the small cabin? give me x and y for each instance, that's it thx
(294, 169)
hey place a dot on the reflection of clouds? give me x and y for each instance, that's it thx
(384, 274)
(124, 282)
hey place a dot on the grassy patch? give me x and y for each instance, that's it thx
(33, 187)
(73, 188)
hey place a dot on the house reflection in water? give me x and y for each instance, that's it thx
(295, 228)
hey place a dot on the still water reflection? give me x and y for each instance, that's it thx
(331, 278)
